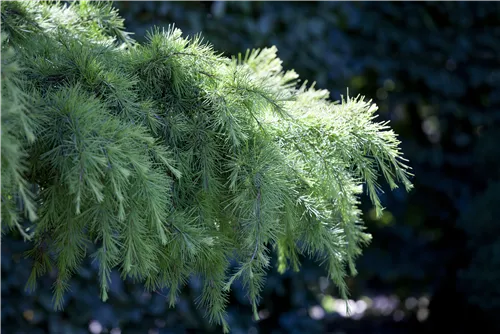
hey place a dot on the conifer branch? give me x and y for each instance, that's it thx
(168, 160)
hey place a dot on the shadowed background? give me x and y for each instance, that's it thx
(434, 263)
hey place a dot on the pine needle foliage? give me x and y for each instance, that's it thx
(166, 160)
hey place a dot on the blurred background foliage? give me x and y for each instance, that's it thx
(434, 263)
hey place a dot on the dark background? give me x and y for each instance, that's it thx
(434, 263)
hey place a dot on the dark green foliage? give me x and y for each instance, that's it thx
(166, 160)
(19, 127)
(479, 221)
(479, 280)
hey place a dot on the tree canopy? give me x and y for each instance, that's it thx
(166, 160)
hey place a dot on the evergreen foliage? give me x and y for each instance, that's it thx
(166, 160)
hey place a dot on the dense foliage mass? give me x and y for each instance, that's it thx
(433, 69)
(165, 160)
